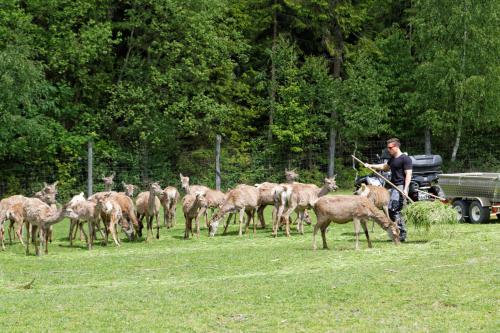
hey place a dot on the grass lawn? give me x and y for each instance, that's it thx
(443, 281)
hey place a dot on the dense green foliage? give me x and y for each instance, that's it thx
(153, 82)
(442, 281)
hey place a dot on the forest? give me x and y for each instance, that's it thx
(285, 83)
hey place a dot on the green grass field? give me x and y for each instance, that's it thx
(443, 281)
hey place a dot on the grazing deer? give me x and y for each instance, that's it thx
(341, 209)
(242, 199)
(379, 195)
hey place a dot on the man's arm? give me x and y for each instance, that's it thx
(408, 174)
(382, 167)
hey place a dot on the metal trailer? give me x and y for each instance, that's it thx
(475, 196)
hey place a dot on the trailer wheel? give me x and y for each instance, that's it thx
(478, 213)
(462, 208)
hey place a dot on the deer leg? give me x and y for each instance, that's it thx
(70, 233)
(91, 234)
(28, 232)
(2, 236)
(242, 212)
(173, 211)
(157, 227)
(9, 231)
(260, 214)
(186, 227)
(365, 229)
(227, 222)
(75, 228)
(323, 236)
(41, 241)
(315, 231)
(112, 230)
(356, 231)
(301, 221)
(82, 231)
(165, 216)
(253, 219)
(19, 231)
(46, 235)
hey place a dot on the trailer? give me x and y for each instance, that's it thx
(475, 196)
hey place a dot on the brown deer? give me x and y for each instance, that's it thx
(299, 197)
(193, 207)
(190, 189)
(379, 195)
(242, 199)
(168, 200)
(41, 216)
(108, 182)
(341, 209)
(148, 205)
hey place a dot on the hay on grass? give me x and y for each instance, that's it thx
(425, 214)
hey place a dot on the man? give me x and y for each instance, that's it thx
(401, 170)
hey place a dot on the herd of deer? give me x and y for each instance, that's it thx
(114, 209)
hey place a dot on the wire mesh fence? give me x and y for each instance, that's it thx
(251, 166)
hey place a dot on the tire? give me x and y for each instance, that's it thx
(478, 213)
(462, 208)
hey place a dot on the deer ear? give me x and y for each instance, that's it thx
(55, 184)
(45, 184)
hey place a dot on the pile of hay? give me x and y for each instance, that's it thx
(425, 214)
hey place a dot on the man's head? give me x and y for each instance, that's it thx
(393, 145)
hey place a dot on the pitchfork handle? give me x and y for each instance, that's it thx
(387, 180)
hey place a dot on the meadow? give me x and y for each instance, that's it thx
(444, 280)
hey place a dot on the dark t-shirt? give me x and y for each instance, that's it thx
(398, 166)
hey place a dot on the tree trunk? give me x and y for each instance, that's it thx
(461, 106)
(272, 92)
(337, 66)
(457, 139)
(217, 163)
(428, 141)
(331, 150)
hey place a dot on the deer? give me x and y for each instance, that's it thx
(191, 188)
(11, 209)
(379, 195)
(108, 182)
(129, 189)
(112, 212)
(193, 207)
(40, 215)
(299, 197)
(341, 209)
(148, 205)
(168, 200)
(242, 199)
(127, 207)
(269, 194)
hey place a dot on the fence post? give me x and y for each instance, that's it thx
(331, 152)
(217, 162)
(89, 169)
